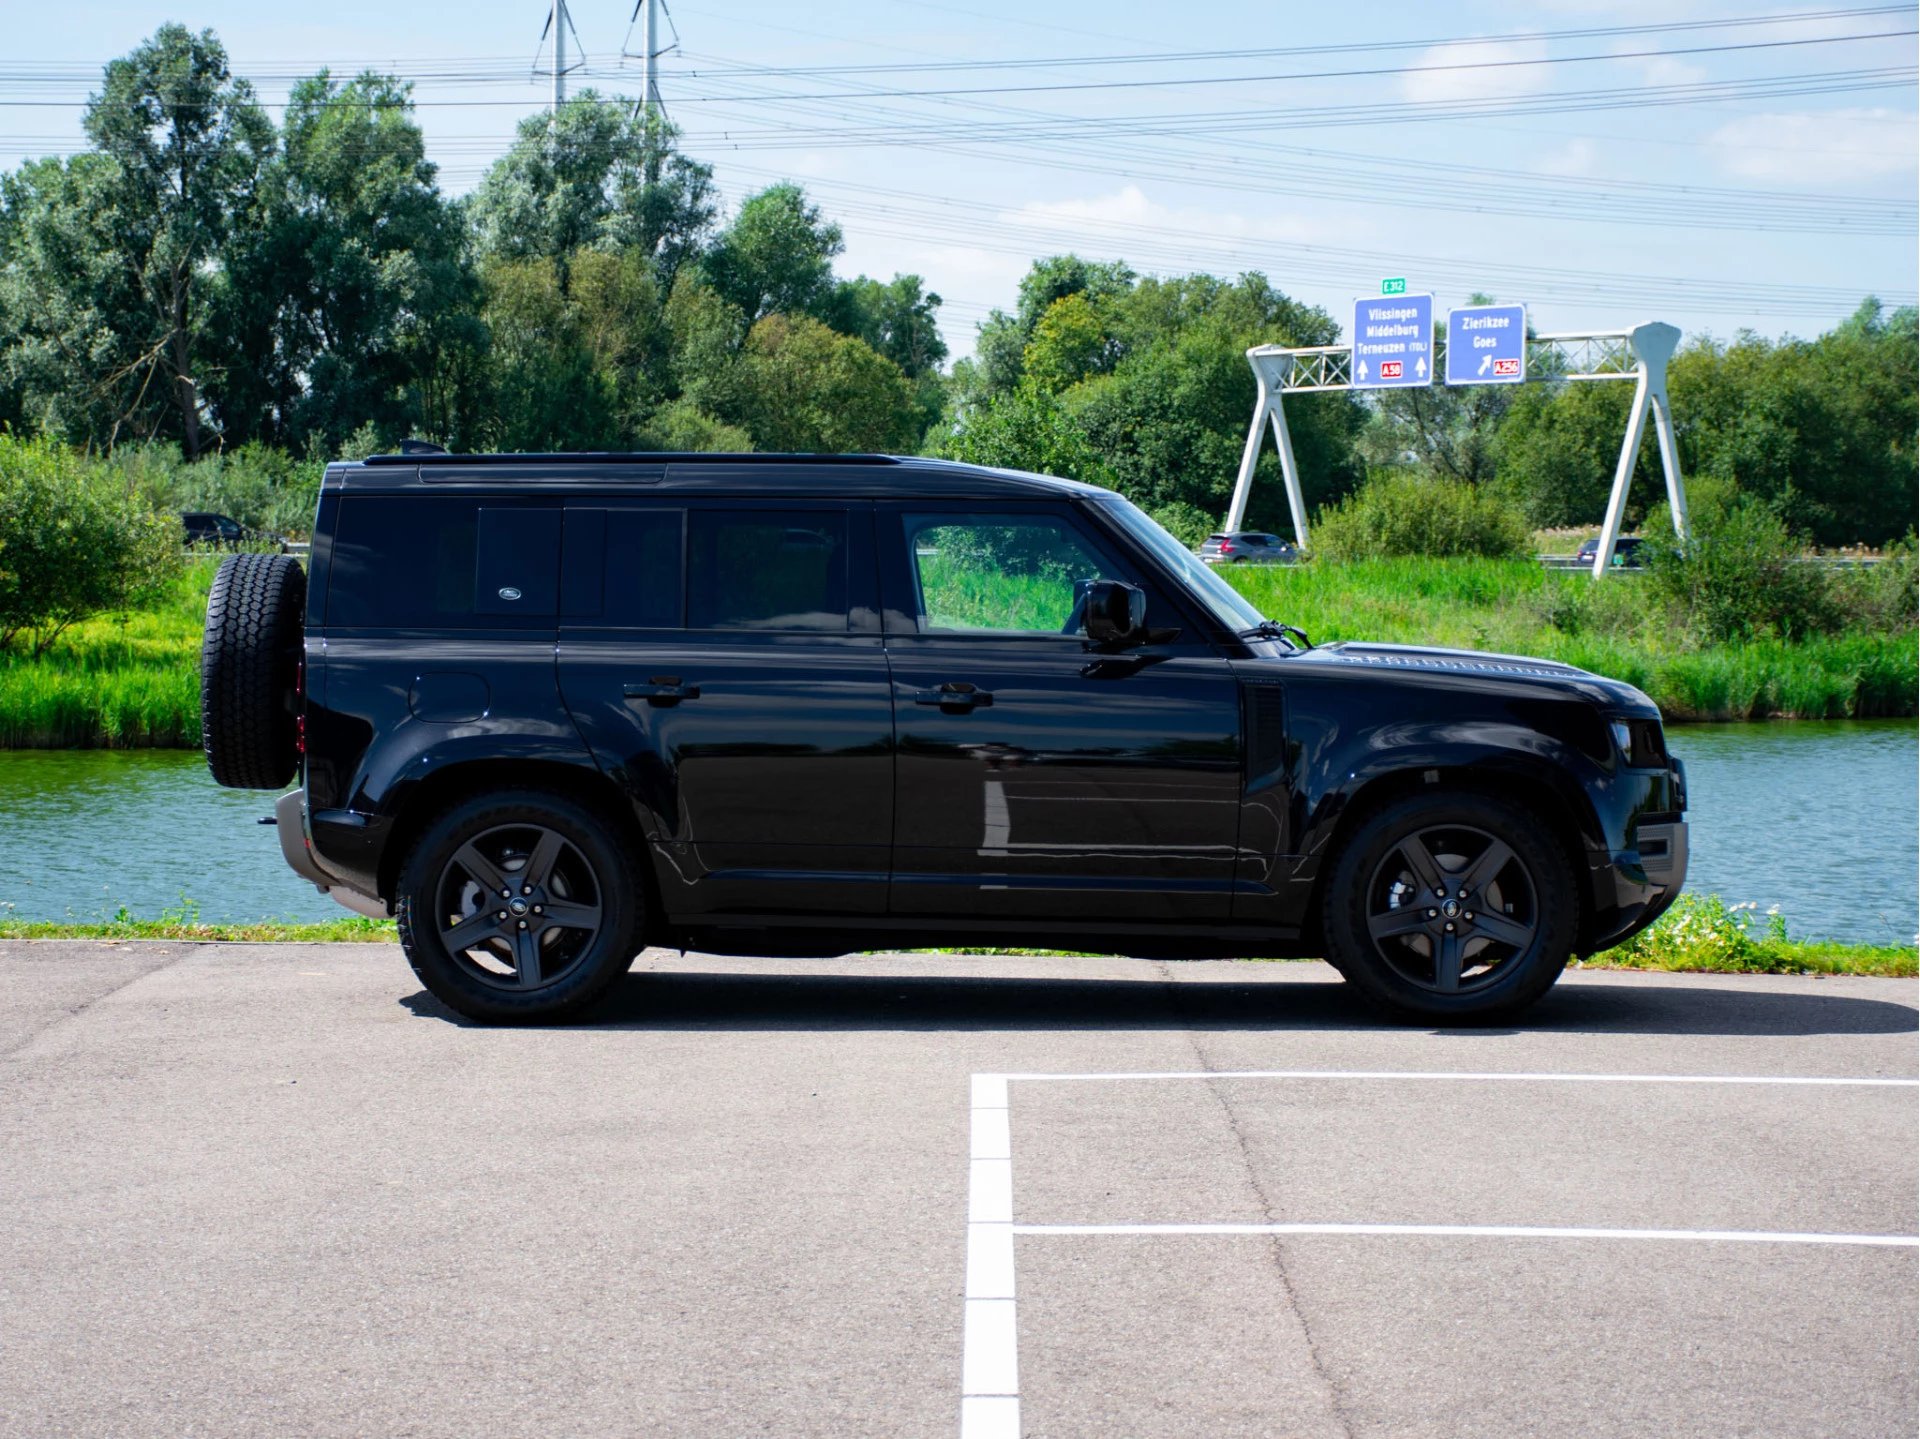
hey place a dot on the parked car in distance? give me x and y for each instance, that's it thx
(1626, 551)
(207, 530)
(549, 710)
(1247, 547)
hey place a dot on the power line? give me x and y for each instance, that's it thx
(1372, 72)
(894, 132)
(1161, 57)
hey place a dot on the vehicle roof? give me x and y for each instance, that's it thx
(814, 476)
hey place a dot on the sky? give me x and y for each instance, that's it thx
(1720, 166)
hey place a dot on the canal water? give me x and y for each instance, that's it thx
(1820, 819)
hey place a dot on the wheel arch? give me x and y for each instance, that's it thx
(450, 784)
(1541, 790)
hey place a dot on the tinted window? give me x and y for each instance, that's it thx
(404, 562)
(767, 570)
(1005, 573)
(643, 569)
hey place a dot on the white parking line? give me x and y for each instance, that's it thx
(989, 1366)
(1488, 1231)
(989, 1362)
(1448, 1074)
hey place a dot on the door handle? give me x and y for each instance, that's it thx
(662, 690)
(954, 695)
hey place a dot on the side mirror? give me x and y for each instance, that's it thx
(1115, 614)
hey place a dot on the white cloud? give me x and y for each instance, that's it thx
(1507, 79)
(1818, 146)
(1578, 157)
(1104, 216)
(1668, 70)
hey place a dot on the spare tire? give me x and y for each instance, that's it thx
(250, 671)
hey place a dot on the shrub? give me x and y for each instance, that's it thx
(1401, 514)
(1739, 575)
(1702, 931)
(264, 488)
(74, 540)
(1882, 597)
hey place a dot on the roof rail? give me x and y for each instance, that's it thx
(410, 456)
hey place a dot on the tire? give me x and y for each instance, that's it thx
(250, 671)
(515, 873)
(1422, 955)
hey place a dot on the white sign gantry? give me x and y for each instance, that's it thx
(1640, 354)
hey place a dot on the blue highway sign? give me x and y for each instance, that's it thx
(1487, 345)
(1392, 342)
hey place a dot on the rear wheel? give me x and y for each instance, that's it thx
(520, 906)
(1451, 908)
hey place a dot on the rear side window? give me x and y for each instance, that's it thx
(402, 562)
(767, 570)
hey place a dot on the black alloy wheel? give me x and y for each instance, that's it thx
(1451, 908)
(1449, 905)
(520, 906)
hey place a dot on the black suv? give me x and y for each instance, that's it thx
(548, 710)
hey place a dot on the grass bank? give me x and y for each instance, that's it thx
(116, 681)
(1700, 935)
(1517, 607)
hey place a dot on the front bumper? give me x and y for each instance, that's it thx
(1634, 887)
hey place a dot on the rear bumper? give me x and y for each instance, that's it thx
(290, 823)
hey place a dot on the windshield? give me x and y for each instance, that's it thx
(1222, 599)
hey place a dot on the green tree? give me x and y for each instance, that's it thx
(1557, 448)
(352, 285)
(1070, 343)
(899, 319)
(188, 145)
(1025, 429)
(1821, 430)
(547, 391)
(802, 387)
(1003, 339)
(595, 175)
(706, 332)
(776, 257)
(70, 314)
(113, 253)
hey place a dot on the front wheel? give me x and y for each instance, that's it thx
(519, 906)
(1454, 908)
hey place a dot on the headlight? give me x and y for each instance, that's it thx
(1640, 741)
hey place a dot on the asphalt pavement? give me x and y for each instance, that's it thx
(277, 1190)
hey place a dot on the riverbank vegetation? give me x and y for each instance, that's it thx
(1860, 661)
(131, 677)
(122, 679)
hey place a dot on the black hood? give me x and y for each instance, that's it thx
(1469, 664)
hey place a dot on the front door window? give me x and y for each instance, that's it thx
(999, 574)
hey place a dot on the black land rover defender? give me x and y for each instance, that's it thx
(550, 709)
